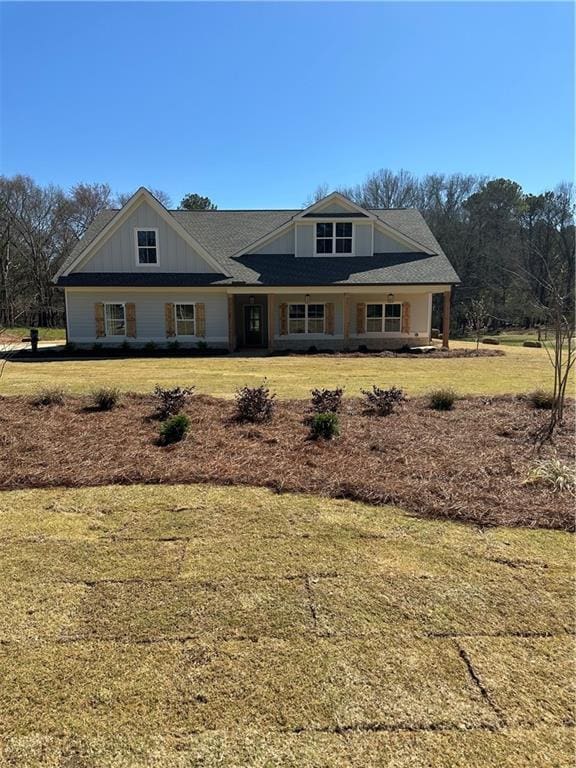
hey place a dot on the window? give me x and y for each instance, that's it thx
(333, 237)
(306, 318)
(147, 246)
(184, 319)
(115, 319)
(383, 317)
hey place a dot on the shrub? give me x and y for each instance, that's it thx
(49, 396)
(70, 346)
(150, 346)
(254, 403)
(106, 398)
(312, 350)
(542, 400)
(327, 400)
(488, 340)
(382, 402)
(97, 347)
(172, 400)
(533, 344)
(324, 425)
(174, 429)
(174, 346)
(553, 474)
(125, 346)
(202, 346)
(442, 399)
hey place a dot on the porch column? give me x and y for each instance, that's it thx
(346, 319)
(271, 304)
(231, 324)
(446, 319)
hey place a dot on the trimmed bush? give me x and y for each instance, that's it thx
(254, 404)
(327, 400)
(324, 425)
(442, 399)
(533, 344)
(49, 396)
(488, 340)
(172, 400)
(174, 429)
(150, 346)
(541, 400)
(105, 399)
(553, 474)
(202, 346)
(174, 346)
(382, 402)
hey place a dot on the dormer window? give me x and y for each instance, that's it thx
(333, 237)
(147, 247)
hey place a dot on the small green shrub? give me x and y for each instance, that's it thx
(324, 425)
(150, 346)
(541, 400)
(97, 347)
(202, 346)
(442, 399)
(174, 429)
(49, 396)
(125, 346)
(174, 346)
(105, 399)
(172, 400)
(553, 474)
(532, 344)
(254, 404)
(382, 402)
(327, 400)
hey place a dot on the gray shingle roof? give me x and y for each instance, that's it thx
(225, 233)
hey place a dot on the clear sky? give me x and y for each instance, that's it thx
(255, 104)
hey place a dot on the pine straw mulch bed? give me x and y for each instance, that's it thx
(439, 352)
(467, 464)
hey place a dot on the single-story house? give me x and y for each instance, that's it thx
(333, 275)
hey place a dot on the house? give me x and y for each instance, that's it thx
(333, 275)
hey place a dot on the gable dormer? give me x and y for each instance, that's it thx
(334, 227)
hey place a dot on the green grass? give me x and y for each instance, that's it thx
(519, 370)
(44, 334)
(199, 625)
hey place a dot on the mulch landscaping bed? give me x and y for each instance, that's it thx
(467, 464)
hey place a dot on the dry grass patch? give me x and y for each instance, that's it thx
(88, 560)
(531, 680)
(234, 646)
(166, 610)
(519, 370)
(32, 611)
(463, 604)
(539, 748)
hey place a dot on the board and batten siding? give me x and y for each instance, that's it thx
(149, 309)
(284, 243)
(118, 253)
(385, 244)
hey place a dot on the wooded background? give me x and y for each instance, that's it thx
(504, 243)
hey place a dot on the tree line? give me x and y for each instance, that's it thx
(507, 245)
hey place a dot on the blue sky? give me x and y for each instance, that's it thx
(255, 104)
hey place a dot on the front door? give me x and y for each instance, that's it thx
(253, 325)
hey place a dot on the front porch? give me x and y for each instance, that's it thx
(327, 318)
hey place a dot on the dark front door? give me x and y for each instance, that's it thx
(253, 325)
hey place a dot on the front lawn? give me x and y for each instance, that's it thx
(517, 371)
(195, 625)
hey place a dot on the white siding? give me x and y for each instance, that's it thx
(150, 324)
(332, 206)
(385, 244)
(118, 253)
(363, 239)
(305, 240)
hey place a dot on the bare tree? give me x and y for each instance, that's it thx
(477, 319)
(322, 190)
(162, 197)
